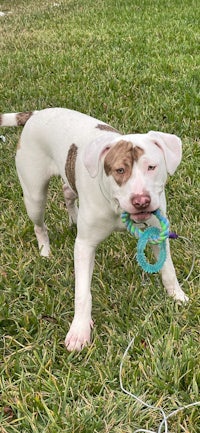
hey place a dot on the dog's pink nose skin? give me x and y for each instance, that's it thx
(141, 201)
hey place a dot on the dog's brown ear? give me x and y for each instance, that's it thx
(95, 150)
(171, 146)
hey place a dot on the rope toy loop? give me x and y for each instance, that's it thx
(154, 236)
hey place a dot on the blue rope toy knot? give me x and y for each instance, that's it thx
(154, 236)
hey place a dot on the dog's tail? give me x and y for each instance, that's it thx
(15, 119)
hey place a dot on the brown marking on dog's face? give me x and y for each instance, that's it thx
(104, 127)
(21, 118)
(120, 159)
(137, 153)
(70, 166)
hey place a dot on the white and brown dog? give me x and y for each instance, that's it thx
(108, 172)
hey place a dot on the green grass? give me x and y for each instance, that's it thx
(134, 64)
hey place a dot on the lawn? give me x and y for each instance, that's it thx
(133, 64)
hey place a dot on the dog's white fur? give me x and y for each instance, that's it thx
(42, 153)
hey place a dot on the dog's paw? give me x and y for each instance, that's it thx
(43, 240)
(45, 250)
(180, 297)
(78, 336)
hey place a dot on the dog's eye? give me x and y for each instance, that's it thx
(120, 170)
(151, 167)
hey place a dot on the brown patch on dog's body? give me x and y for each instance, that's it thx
(21, 118)
(120, 159)
(70, 166)
(104, 127)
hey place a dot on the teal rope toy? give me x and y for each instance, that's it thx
(153, 235)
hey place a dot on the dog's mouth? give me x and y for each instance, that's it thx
(141, 216)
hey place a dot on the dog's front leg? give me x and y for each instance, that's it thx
(80, 330)
(169, 278)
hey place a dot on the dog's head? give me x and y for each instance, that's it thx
(134, 169)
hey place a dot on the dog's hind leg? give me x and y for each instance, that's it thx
(70, 201)
(34, 175)
(35, 205)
